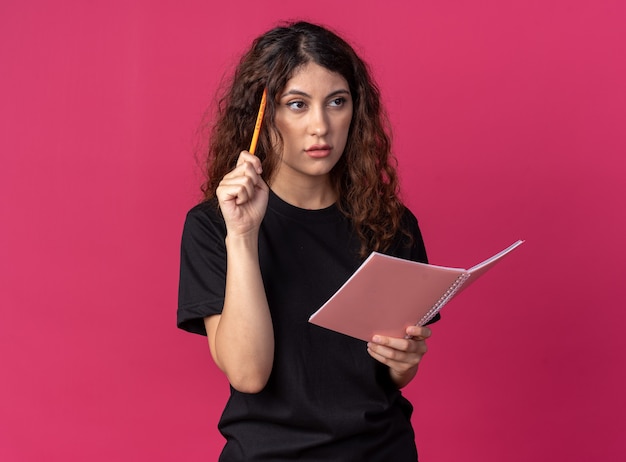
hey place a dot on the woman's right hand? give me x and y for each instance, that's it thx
(243, 196)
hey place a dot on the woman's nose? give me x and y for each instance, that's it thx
(318, 124)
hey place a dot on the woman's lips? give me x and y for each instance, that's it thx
(318, 150)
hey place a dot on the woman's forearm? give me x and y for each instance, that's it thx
(243, 344)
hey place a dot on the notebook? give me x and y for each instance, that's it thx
(387, 294)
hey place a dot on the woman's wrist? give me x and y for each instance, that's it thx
(242, 242)
(402, 379)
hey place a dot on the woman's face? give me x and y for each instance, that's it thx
(313, 116)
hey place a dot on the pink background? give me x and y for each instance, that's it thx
(509, 123)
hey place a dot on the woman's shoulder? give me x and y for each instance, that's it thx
(204, 215)
(205, 210)
(408, 219)
(409, 242)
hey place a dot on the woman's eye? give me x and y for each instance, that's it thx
(337, 102)
(297, 105)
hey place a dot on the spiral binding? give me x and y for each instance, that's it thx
(444, 298)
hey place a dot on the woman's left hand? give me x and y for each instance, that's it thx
(401, 355)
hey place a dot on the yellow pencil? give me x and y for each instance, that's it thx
(259, 121)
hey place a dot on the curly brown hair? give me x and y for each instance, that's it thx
(365, 177)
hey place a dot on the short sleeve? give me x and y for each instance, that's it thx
(202, 268)
(418, 249)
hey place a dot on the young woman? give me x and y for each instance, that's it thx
(278, 233)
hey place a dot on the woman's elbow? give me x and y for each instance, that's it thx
(248, 383)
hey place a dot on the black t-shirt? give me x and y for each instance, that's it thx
(326, 398)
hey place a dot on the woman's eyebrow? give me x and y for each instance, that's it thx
(296, 92)
(341, 91)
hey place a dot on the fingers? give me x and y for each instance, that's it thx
(400, 354)
(397, 349)
(412, 333)
(239, 185)
(418, 332)
(246, 157)
(399, 361)
(239, 188)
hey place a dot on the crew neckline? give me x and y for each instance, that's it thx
(280, 206)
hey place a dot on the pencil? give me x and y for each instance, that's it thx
(259, 121)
